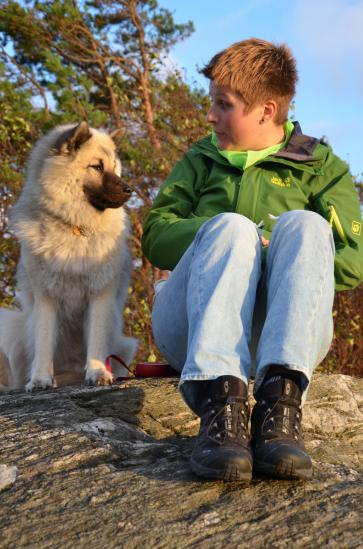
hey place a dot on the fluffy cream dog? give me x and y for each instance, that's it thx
(74, 268)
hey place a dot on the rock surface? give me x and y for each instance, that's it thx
(108, 467)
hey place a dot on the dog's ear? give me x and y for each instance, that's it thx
(71, 140)
(80, 135)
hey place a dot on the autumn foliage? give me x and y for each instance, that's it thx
(104, 62)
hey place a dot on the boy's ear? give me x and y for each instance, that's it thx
(270, 110)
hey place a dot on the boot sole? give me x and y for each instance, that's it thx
(230, 473)
(285, 470)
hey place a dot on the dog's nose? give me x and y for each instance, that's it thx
(127, 189)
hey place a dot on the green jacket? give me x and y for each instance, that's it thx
(304, 175)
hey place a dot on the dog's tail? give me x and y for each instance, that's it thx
(125, 348)
(4, 373)
(12, 349)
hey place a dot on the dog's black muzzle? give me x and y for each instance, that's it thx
(112, 194)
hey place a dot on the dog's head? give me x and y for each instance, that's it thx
(90, 157)
(74, 173)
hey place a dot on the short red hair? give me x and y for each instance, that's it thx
(257, 70)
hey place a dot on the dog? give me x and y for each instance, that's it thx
(75, 265)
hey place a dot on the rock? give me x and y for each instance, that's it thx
(108, 467)
(7, 476)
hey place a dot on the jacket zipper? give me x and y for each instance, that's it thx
(335, 221)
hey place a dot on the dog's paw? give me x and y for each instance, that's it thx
(98, 376)
(36, 384)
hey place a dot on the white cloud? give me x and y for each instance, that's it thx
(330, 35)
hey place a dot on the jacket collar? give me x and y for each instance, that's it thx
(300, 147)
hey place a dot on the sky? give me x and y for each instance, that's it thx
(326, 37)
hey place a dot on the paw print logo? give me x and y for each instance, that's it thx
(356, 227)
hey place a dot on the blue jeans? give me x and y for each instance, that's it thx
(219, 296)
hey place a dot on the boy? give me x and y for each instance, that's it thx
(252, 221)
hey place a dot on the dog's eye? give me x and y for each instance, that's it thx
(98, 167)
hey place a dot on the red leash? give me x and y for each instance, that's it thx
(118, 359)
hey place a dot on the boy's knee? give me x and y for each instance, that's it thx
(231, 224)
(303, 220)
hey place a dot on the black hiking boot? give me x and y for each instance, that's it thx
(222, 449)
(275, 430)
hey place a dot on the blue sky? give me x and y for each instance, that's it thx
(326, 37)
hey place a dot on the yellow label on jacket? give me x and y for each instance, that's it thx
(356, 227)
(286, 182)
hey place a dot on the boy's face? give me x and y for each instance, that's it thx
(235, 129)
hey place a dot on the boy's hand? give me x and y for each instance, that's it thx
(264, 241)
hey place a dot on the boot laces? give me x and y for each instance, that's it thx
(230, 422)
(282, 418)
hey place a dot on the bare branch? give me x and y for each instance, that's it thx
(29, 76)
(146, 73)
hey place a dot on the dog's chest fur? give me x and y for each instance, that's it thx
(64, 261)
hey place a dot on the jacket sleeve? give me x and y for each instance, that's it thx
(171, 225)
(338, 203)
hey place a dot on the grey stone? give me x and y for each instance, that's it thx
(7, 476)
(108, 467)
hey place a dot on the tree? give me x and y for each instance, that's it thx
(102, 61)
